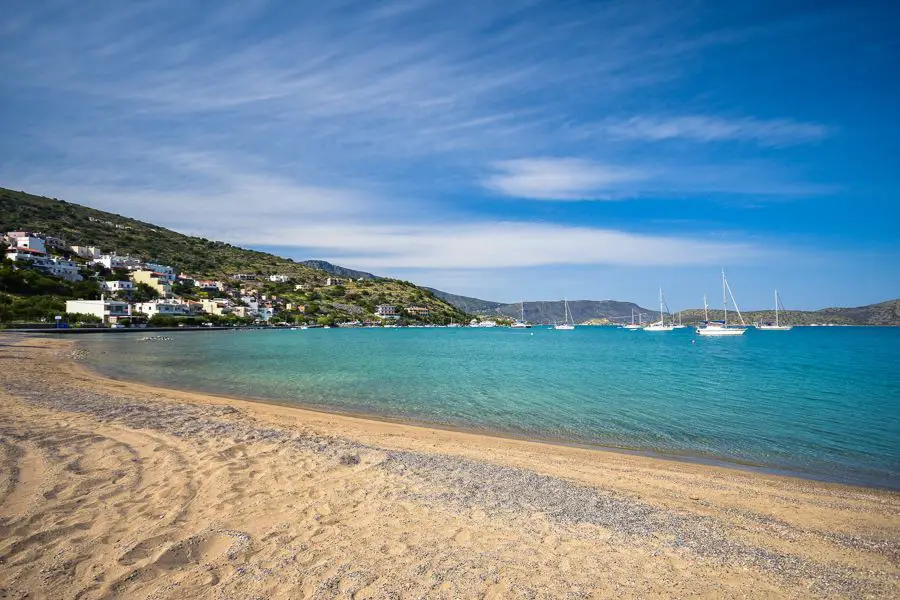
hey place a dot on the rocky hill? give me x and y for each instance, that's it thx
(465, 303)
(199, 257)
(881, 314)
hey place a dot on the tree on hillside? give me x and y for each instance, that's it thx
(144, 293)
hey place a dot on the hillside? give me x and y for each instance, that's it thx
(337, 270)
(881, 314)
(80, 225)
(465, 303)
(199, 257)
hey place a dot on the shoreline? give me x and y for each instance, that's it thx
(482, 438)
(125, 489)
(708, 461)
(655, 454)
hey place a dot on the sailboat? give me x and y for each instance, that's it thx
(679, 325)
(570, 322)
(721, 328)
(661, 325)
(633, 326)
(777, 326)
(521, 323)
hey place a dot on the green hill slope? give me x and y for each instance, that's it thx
(199, 257)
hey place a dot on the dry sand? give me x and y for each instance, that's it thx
(119, 490)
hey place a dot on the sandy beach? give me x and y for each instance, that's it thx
(112, 489)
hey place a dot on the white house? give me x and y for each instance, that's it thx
(52, 265)
(31, 243)
(158, 268)
(265, 313)
(162, 307)
(89, 252)
(385, 310)
(65, 269)
(36, 258)
(216, 306)
(279, 278)
(334, 281)
(208, 285)
(109, 311)
(117, 286)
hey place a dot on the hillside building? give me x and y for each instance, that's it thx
(162, 307)
(385, 310)
(161, 282)
(28, 242)
(108, 311)
(117, 286)
(88, 252)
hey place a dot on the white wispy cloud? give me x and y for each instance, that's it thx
(343, 224)
(707, 128)
(509, 244)
(559, 179)
(578, 179)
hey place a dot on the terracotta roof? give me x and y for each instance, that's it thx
(25, 250)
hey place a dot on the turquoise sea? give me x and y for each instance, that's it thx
(822, 403)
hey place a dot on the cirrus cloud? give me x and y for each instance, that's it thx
(559, 179)
(707, 128)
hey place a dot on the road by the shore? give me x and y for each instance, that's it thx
(116, 489)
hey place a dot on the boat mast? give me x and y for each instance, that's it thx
(661, 322)
(776, 308)
(705, 309)
(733, 301)
(724, 300)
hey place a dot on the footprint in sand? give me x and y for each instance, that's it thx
(143, 549)
(462, 536)
(396, 549)
(195, 550)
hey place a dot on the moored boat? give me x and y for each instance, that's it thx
(661, 324)
(569, 324)
(721, 328)
(777, 326)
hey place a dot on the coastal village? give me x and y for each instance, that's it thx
(135, 292)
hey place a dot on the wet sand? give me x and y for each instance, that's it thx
(117, 489)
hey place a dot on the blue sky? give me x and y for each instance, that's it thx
(506, 150)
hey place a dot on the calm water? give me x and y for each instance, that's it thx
(819, 402)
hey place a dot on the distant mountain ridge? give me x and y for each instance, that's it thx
(881, 314)
(546, 311)
(465, 303)
(554, 311)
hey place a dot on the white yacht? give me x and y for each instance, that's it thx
(569, 323)
(777, 326)
(721, 328)
(633, 326)
(661, 324)
(521, 323)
